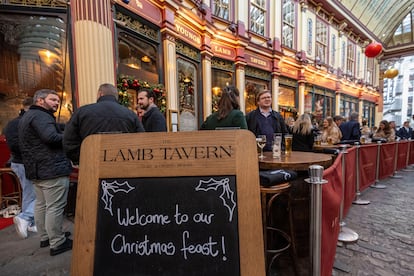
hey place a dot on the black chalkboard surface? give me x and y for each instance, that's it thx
(167, 226)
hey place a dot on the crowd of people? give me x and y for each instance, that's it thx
(44, 153)
(305, 129)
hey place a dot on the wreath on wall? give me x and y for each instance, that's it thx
(126, 83)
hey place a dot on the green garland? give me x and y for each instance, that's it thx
(124, 83)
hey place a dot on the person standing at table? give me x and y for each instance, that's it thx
(338, 119)
(330, 132)
(351, 129)
(405, 132)
(384, 131)
(303, 134)
(106, 115)
(153, 120)
(228, 114)
(25, 220)
(265, 121)
(40, 142)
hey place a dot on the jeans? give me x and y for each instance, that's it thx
(28, 193)
(51, 197)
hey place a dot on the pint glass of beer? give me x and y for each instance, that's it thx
(288, 144)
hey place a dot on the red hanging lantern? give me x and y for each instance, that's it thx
(373, 49)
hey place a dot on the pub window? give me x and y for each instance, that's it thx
(33, 55)
(258, 16)
(321, 41)
(368, 113)
(187, 95)
(253, 86)
(286, 101)
(348, 105)
(350, 61)
(220, 79)
(319, 102)
(221, 8)
(310, 36)
(222, 74)
(288, 23)
(137, 58)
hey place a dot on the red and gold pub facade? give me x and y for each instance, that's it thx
(190, 51)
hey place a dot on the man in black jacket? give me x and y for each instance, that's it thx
(25, 220)
(351, 130)
(266, 121)
(153, 120)
(46, 164)
(106, 115)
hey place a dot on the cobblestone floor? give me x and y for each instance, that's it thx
(386, 231)
(385, 246)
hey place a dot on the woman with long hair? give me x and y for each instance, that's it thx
(228, 114)
(303, 134)
(385, 131)
(330, 131)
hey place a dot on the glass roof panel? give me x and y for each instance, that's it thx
(381, 17)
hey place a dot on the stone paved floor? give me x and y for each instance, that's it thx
(385, 246)
(386, 231)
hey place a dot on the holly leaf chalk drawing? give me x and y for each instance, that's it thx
(227, 195)
(110, 189)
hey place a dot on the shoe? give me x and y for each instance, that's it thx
(46, 242)
(32, 229)
(67, 245)
(21, 227)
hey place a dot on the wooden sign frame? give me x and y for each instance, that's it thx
(161, 155)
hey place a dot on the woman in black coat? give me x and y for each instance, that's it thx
(303, 134)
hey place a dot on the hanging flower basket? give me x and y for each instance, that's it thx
(125, 83)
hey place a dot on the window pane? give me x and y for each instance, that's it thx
(222, 9)
(288, 19)
(187, 95)
(33, 55)
(257, 16)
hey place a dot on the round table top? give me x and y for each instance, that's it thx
(296, 160)
(330, 146)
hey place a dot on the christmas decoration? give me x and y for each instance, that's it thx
(373, 49)
(125, 83)
(391, 73)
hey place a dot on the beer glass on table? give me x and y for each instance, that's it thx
(261, 143)
(288, 144)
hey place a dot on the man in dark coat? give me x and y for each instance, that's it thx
(405, 132)
(106, 115)
(40, 142)
(351, 130)
(153, 120)
(25, 220)
(264, 120)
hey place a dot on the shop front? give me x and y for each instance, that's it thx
(320, 102)
(288, 91)
(139, 54)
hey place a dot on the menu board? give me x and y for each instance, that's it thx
(169, 204)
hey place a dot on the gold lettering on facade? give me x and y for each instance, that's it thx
(185, 32)
(258, 61)
(221, 50)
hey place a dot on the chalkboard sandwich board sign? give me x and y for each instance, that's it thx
(169, 204)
